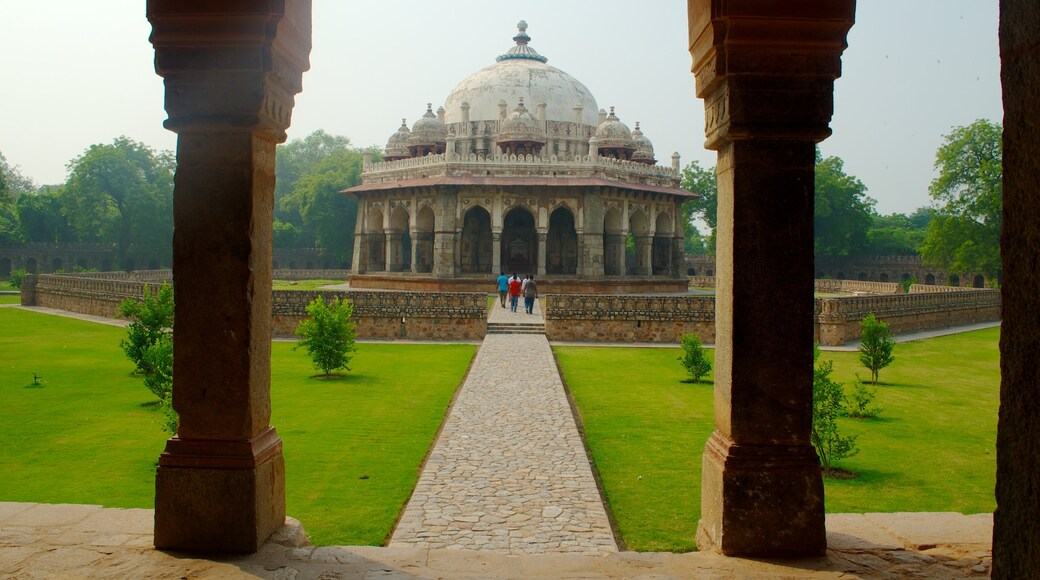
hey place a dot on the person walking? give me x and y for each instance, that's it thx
(503, 287)
(514, 292)
(530, 293)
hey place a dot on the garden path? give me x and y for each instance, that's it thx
(509, 472)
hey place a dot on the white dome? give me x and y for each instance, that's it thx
(521, 73)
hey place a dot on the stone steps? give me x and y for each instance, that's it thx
(517, 328)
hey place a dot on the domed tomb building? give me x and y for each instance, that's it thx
(520, 171)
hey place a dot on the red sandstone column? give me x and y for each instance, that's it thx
(231, 72)
(765, 71)
(1016, 522)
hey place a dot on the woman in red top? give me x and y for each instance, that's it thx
(514, 292)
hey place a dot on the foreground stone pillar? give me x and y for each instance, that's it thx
(230, 75)
(1016, 521)
(765, 72)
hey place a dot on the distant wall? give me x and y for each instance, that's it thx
(379, 315)
(311, 275)
(605, 318)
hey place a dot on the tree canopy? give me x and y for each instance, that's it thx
(964, 236)
(842, 209)
(696, 179)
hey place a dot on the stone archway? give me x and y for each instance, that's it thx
(475, 251)
(424, 225)
(979, 281)
(661, 253)
(400, 241)
(519, 242)
(639, 231)
(561, 245)
(613, 243)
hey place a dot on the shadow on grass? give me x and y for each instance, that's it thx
(339, 378)
(34, 386)
(149, 404)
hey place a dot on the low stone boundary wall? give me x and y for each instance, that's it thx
(393, 315)
(379, 315)
(311, 274)
(837, 319)
(605, 318)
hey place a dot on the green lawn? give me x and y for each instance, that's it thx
(91, 417)
(6, 285)
(931, 450)
(10, 299)
(303, 284)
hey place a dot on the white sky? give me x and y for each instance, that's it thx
(76, 73)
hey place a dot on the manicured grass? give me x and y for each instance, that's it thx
(89, 434)
(6, 285)
(303, 284)
(10, 299)
(932, 449)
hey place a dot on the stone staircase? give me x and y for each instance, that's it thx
(516, 328)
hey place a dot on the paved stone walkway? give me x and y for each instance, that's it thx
(508, 472)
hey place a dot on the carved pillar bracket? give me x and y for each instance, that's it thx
(765, 71)
(231, 74)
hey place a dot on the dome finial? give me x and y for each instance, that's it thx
(521, 50)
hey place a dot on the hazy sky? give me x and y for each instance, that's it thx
(76, 73)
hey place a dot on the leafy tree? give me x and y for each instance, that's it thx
(842, 210)
(861, 402)
(43, 216)
(328, 335)
(693, 357)
(875, 345)
(10, 232)
(694, 242)
(17, 275)
(965, 235)
(122, 193)
(297, 157)
(12, 183)
(897, 234)
(703, 182)
(151, 318)
(326, 215)
(828, 405)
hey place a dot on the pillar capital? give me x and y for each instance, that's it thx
(231, 67)
(766, 70)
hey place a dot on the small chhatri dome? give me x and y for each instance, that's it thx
(521, 50)
(397, 145)
(521, 133)
(612, 134)
(644, 149)
(429, 135)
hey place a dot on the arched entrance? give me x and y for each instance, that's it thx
(613, 243)
(662, 248)
(979, 281)
(519, 242)
(424, 240)
(475, 252)
(639, 232)
(561, 245)
(400, 242)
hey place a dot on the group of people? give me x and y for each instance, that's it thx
(514, 287)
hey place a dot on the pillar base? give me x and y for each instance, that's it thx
(219, 496)
(761, 500)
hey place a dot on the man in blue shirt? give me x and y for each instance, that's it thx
(503, 288)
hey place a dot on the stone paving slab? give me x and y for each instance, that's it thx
(288, 555)
(509, 472)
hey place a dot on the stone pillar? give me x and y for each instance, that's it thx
(230, 73)
(496, 251)
(388, 250)
(543, 237)
(644, 255)
(360, 257)
(622, 254)
(415, 251)
(1016, 525)
(765, 72)
(444, 235)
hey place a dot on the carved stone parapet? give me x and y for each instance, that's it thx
(207, 53)
(766, 70)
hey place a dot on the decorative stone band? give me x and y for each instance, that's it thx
(375, 170)
(209, 454)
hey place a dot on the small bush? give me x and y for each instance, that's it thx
(875, 346)
(693, 357)
(158, 357)
(170, 421)
(328, 335)
(828, 405)
(861, 402)
(907, 283)
(17, 275)
(150, 319)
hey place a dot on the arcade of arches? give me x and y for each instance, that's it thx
(765, 72)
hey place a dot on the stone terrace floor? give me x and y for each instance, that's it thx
(82, 541)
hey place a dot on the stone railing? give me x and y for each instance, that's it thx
(606, 318)
(283, 274)
(826, 286)
(837, 319)
(379, 315)
(702, 281)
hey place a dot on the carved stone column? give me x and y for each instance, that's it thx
(543, 237)
(444, 255)
(391, 246)
(765, 71)
(496, 251)
(231, 73)
(1016, 527)
(414, 236)
(644, 255)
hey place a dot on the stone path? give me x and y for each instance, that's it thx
(508, 472)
